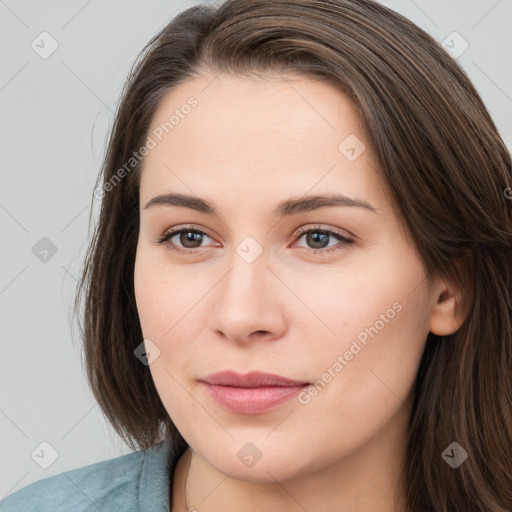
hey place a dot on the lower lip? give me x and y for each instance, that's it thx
(252, 400)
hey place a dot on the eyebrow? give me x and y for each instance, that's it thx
(283, 209)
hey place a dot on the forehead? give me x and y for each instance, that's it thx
(257, 135)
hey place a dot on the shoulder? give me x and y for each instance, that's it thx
(113, 484)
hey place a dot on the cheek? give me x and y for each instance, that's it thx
(164, 305)
(366, 299)
(164, 297)
(148, 291)
(369, 322)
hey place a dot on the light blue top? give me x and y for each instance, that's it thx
(135, 482)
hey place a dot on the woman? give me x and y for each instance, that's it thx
(298, 294)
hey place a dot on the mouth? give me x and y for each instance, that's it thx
(253, 393)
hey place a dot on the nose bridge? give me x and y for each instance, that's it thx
(248, 270)
(245, 283)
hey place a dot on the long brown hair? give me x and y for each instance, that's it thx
(449, 174)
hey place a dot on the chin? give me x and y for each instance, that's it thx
(266, 465)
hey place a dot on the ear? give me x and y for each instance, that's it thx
(447, 314)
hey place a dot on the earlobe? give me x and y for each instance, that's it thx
(447, 315)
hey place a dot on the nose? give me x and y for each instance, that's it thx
(248, 304)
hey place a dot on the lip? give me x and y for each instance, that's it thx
(254, 379)
(253, 393)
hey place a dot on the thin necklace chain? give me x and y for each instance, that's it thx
(185, 484)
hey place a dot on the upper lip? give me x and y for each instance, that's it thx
(252, 379)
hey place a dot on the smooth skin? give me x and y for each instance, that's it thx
(246, 146)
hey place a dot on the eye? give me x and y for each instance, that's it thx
(319, 239)
(191, 239)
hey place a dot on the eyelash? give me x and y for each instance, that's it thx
(302, 231)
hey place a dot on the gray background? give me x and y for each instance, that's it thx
(56, 112)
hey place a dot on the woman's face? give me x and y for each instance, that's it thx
(261, 285)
